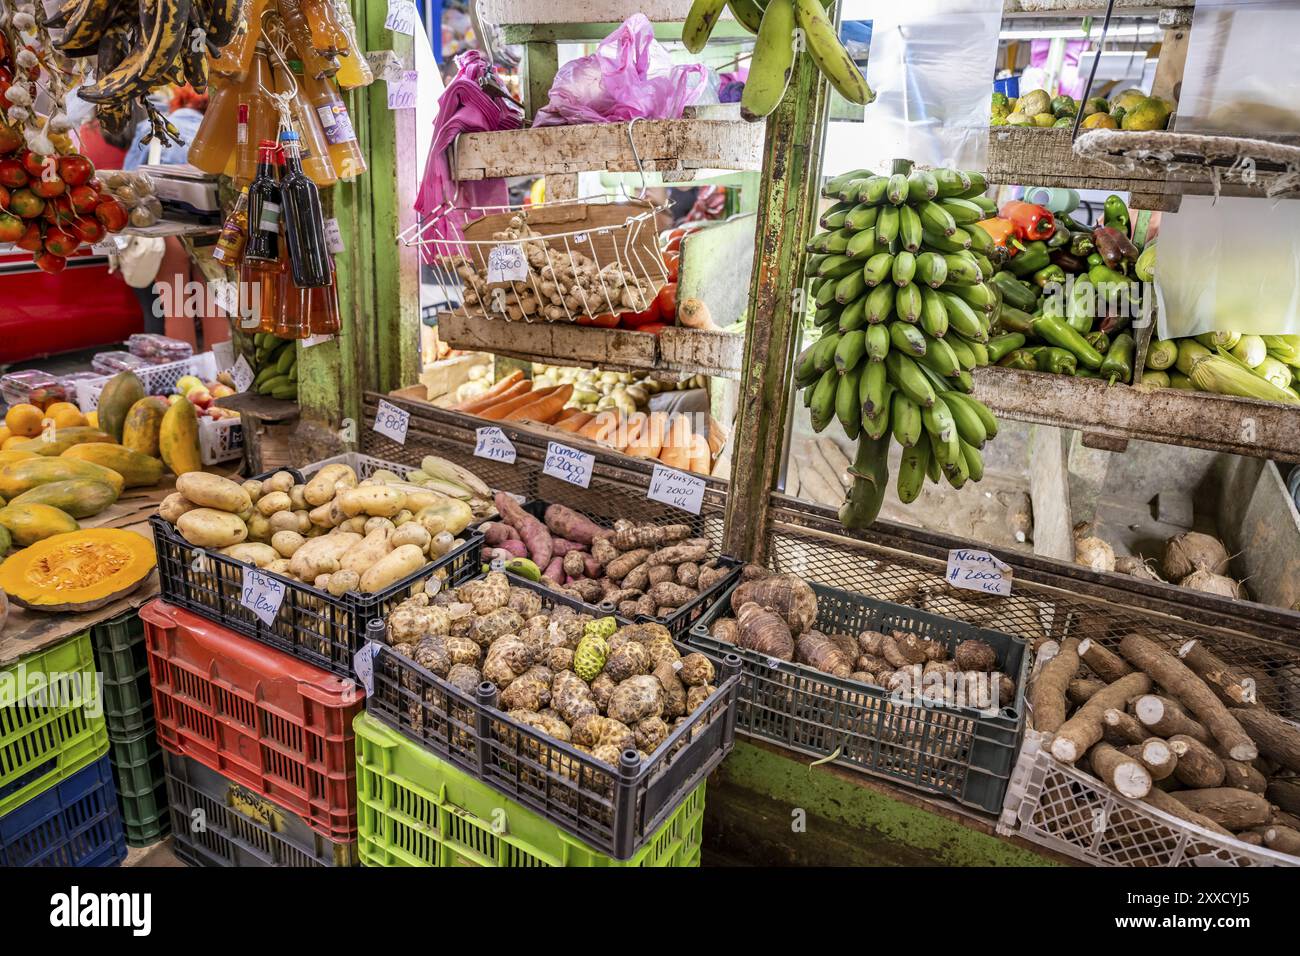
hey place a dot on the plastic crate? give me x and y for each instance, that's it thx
(416, 810)
(74, 823)
(959, 752)
(220, 439)
(614, 810)
(51, 720)
(124, 673)
(1061, 807)
(141, 788)
(217, 822)
(157, 379)
(312, 624)
(257, 715)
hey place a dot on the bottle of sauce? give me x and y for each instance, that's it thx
(304, 221)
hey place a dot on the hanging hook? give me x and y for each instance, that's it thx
(640, 166)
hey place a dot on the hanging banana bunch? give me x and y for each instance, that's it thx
(784, 28)
(898, 278)
(140, 46)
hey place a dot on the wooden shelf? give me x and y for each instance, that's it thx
(679, 146)
(678, 350)
(1115, 414)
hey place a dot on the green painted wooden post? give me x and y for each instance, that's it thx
(538, 68)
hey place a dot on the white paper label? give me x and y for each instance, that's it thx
(569, 464)
(105, 247)
(506, 264)
(363, 662)
(223, 353)
(315, 340)
(676, 488)
(978, 571)
(333, 236)
(392, 422)
(384, 64)
(402, 17)
(402, 92)
(242, 373)
(262, 594)
(493, 445)
(269, 220)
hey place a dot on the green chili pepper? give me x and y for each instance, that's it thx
(1057, 361)
(1001, 345)
(1057, 332)
(1014, 292)
(1119, 359)
(1115, 214)
(1081, 244)
(1034, 256)
(1098, 340)
(1051, 273)
(1059, 238)
(1021, 359)
(1081, 307)
(1071, 223)
(1095, 259)
(1102, 274)
(1011, 319)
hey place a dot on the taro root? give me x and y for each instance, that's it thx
(559, 659)
(725, 630)
(975, 656)
(816, 650)
(786, 595)
(764, 632)
(1211, 583)
(1192, 551)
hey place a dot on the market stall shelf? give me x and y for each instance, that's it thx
(1239, 426)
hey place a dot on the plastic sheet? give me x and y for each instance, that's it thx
(929, 65)
(1229, 265)
(629, 76)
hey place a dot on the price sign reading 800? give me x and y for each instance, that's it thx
(392, 422)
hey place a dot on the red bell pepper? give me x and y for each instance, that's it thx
(1031, 222)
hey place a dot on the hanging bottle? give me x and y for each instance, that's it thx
(263, 118)
(345, 152)
(296, 25)
(289, 318)
(264, 208)
(323, 311)
(304, 221)
(234, 233)
(237, 55)
(214, 143)
(354, 70)
(313, 147)
(327, 34)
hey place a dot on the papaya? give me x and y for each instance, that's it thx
(20, 476)
(60, 440)
(6, 542)
(178, 439)
(35, 522)
(139, 471)
(79, 497)
(143, 422)
(78, 571)
(122, 391)
(7, 456)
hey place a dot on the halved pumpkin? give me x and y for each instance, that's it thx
(77, 571)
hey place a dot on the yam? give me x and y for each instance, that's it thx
(1188, 689)
(671, 594)
(1084, 728)
(787, 595)
(1047, 698)
(693, 550)
(620, 567)
(975, 655)
(1229, 808)
(1198, 766)
(1106, 664)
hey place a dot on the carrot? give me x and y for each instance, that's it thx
(492, 394)
(571, 423)
(699, 455)
(600, 426)
(544, 407)
(501, 409)
(522, 387)
(651, 439)
(676, 452)
(631, 428)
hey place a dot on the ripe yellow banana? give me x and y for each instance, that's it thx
(831, 57)
(700, 21)
(773, 62)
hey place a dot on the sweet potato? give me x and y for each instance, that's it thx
(627, 436)
(786, 594)
(496, 533)
(570, 525)
(763, 631)
(531, 531)
(676, 450)
(554, 571)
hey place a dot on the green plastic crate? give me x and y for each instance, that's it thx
(51, 720)
(124, 665)
(416, 810)
(141, 788)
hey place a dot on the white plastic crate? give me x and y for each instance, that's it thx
(157, 379)
(220, 440)
(1064, 809)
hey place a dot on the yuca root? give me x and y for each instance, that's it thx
(1277, 739)
(1125, 775)
(1047, 696)
(1176, 808)
(1231, 809)
(1243, 776)
(1188, 689)
(1164, 718)
(1082, 688)
(1121, 727)
(1232, 686)
(1083, 729)
(1198, 766)
(1106, 664)
(1283, 840)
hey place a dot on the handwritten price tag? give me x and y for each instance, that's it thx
(676, 488)
(262, 594)
(402, 92)
(363, 662)
(568, 464)
(242, 373)
(506, 264)
(978, 571)
(333, 236)
(493, 445)
(402, 17)
(392, 422)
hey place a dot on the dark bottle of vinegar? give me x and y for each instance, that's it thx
(264, 208)
(304, 222)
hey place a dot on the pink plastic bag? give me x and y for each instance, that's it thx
(629, 76)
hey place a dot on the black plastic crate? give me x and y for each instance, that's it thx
(959, 752)
(219, 823)
(681, 620)
(311, 624)
(614, 810)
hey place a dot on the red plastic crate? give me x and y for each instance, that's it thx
(257, 715)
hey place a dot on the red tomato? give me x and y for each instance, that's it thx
(34, 163)
(12, 174)
(31, 239)
(654, 328)
(4, 198)
(60, 243)
(606, 321)
(671, 262)
(58, 210)
(49, 263)
(634, 320)
(11, 228)
(88, 229)
(674, 244)
(84, 199)
(49, 188)
(76, 169)
(111, 213)
(666, 302)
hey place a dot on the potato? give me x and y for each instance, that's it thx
(280, 481)
(283, 521)
(274, 501)
(372, 523)
(287, 542)
(175, 505)
(280, 566)
(456, 515)
(259, 555)
(411, 533)
(397, 564)
(341, 582)
(325, 483)
(432, 523)
(320, 580)
(357, 524)
(210, 528)
(253, 488)
(296, 496)
(365, 555)
(320, 516)
(376, 500)
(403, 516)
(259, 528)
(304, 522)
(321, 555)
(213, 491)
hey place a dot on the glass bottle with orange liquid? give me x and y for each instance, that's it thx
(313, 148)
(263, 116)
(294, 16)
(234, 233)
(353, 71)
(214, 143)
(344, 150)
(237, 55)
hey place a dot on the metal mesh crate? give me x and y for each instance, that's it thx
(964, 753)
(1067, 810)
(615, 810)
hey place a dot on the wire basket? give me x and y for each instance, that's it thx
(548, 262)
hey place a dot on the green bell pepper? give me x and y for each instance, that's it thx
(1033, 257)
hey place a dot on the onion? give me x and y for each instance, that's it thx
(1193, 551)
(1212, 583)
